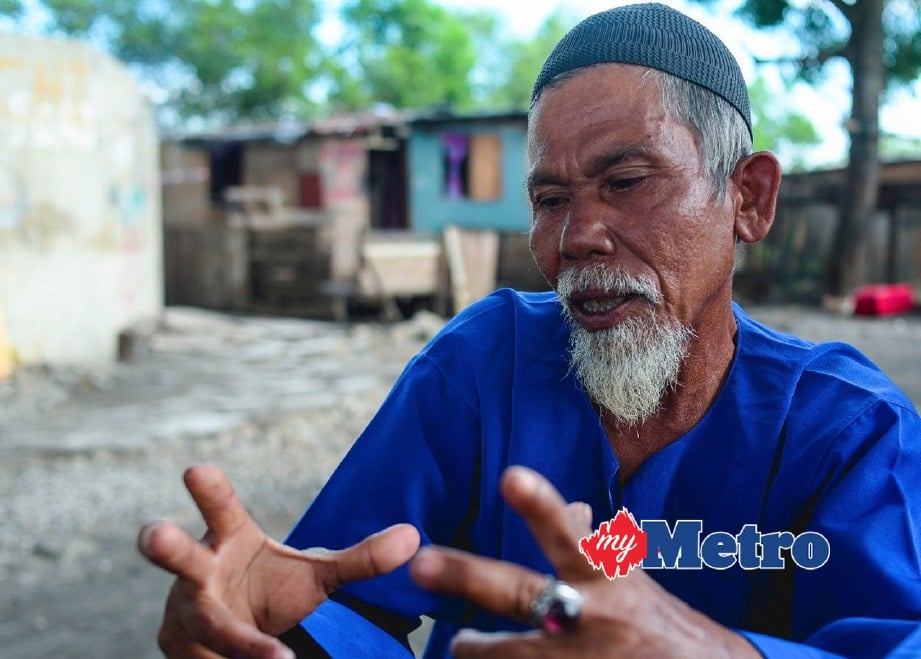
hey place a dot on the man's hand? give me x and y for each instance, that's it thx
(237, 589)
(629, 617)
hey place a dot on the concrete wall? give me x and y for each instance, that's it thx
(430, 209)
(80, 227)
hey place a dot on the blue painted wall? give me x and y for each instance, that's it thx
(430, 209)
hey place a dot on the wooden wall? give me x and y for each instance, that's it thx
(789, 264)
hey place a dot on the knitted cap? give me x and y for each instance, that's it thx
(655, 36)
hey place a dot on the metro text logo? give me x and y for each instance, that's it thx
(621, 544)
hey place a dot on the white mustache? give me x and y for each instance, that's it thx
(614, 282)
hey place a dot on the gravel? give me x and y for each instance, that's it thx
(87, 455)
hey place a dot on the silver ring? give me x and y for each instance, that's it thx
(558, 607)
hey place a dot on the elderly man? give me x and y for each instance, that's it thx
(764, 490)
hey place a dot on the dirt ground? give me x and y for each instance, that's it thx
(88, 455)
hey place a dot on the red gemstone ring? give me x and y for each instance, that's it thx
(558, 607)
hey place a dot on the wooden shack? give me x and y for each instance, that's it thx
(286, 218)
(317, 219)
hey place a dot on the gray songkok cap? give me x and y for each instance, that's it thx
(655, 36)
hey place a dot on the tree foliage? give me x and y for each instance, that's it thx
(778, 127)
(880, 41)
(249, 60)
(220, 60)
(11, 8)
(405, 53)
(524, 57)
(825, 30)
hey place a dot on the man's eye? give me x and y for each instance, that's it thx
(548, 202)
(625, 183)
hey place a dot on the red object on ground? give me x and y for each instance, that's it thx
(884, 299)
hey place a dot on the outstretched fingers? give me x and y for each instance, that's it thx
(222, 511)
(377, 554)
(503, 588)
(169, 547)
(556, 525)
(215, 603)
(497, 586)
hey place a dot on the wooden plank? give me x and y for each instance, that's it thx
(484, 169)
(206, 266)
(472, 256)
(399, 264)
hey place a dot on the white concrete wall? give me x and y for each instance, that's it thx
(80, 216)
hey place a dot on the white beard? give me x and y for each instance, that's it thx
(626, 369)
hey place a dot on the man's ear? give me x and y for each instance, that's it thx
(757, 180)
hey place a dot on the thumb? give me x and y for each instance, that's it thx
(377, 554)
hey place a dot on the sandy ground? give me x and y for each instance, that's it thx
(87, 456)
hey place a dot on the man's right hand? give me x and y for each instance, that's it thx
(237, 589)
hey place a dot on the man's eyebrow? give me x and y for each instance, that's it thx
(616, 156)
(596, 165)
(538, 178)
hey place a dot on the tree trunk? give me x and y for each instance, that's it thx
(892, 246)
(846, 266)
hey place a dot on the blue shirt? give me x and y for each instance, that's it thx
(801, 437)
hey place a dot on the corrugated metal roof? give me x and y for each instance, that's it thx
(345, 125)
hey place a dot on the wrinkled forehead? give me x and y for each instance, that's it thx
(632, 88)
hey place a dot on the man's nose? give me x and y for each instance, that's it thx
(587, 232)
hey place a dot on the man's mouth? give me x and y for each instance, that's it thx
(600, 311)
(602, 304)
(598, 297)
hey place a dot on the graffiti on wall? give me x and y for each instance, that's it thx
(44, 103)
(73, 167)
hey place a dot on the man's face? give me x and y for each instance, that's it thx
(626, 228)
(615, 181)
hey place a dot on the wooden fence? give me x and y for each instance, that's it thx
(789, 264)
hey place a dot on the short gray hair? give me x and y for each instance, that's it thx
(724, 136)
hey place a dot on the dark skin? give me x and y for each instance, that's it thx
(613, 180)
(622, 183)
(236, 588)
(629, 617)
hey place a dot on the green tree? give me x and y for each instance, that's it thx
(216, 60)
(880, 40)
(523, 59)
(11, 8)
(406, 53)
(778, 128)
